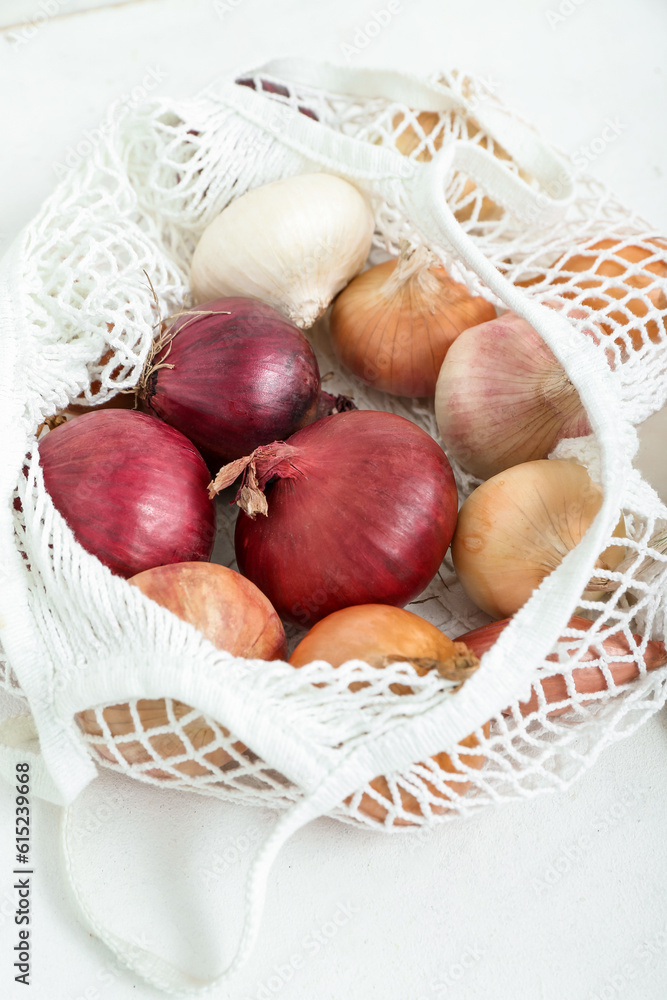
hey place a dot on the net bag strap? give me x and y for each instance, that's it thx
(542, 204)
(151, 967)
(19, 744)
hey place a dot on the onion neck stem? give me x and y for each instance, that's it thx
(458, 667)
(414, 264)
(266, 462)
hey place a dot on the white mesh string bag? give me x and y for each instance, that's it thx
(442, 163)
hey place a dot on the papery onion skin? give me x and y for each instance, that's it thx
(502, 398)
(397, 340)
(580, 276)
(242, 376)
(373, 632)
(132, 489)
(587, 680)
(368, 519)
(517, 527)
(233, 615)
(223, 605)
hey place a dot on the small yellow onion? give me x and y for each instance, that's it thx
(618, 280)
(502, 398)
(393, 325)
(293, 244)
(380, 635)
(517, 527)
(233, 615)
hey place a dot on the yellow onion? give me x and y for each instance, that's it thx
(423, 136)
(233, 615)
(392, 325)
(380, 635)
(517, 527)
(618, 279)
(502, 398)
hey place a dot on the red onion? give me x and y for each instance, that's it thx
(362, 511)
(274, 88)
(132, 490)
(235, 375)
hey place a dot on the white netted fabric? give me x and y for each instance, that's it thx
(442, 163)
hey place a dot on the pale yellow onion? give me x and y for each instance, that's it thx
(394, 324)
(293, 244)
(517, 527)
(502, 398)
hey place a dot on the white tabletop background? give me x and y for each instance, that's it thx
(560, 897)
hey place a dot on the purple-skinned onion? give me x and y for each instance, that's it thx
(234, 375)
(132, 489)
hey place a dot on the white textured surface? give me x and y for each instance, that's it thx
(484, 883)
(30, 14)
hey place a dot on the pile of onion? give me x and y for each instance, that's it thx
(380, 635)
(233, 615)
(234, 374)
(517, 527)
(360, 508)
(132, 490)
(393, 325)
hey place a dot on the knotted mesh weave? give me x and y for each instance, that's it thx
(125, 222)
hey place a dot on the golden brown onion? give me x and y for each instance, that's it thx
(392, 325)
(233, 615)
(379, 635)
(585, 277)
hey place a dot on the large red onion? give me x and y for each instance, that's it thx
(236, 375)
(132, 490)
(362, 510)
